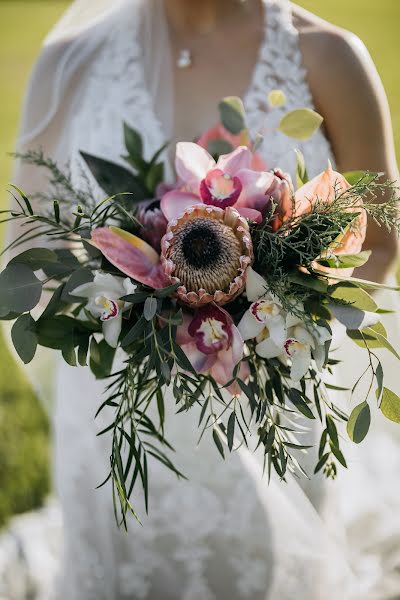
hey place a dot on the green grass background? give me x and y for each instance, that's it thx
(24, 448)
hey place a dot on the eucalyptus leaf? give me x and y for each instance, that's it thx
(150, 308)
(24, 338)
(276, 98)
(390, 405)
(20, 289)
(101, 358)
(300, 404)
(359, 422)
(35, 258)
(300, 123)
(218, 147)
(232, 113)
(79, 277)
(345, 261)
(354, 177)
(66, 263)
(354, 296)
(353, 318)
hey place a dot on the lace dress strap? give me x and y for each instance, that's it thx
(280, 66)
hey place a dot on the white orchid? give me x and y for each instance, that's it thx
(104, 295)
(265, 320)
(281, 334)
(304, 344)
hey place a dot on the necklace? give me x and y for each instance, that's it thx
(185, 55)
(184, 60)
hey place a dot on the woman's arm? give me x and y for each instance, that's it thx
(348, 92)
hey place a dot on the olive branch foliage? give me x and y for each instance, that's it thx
(270, 410)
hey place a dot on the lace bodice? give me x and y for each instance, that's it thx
(217, 535)
(115, 89)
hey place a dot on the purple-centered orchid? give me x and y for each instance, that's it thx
(104, 295)
(213, 344)
(228, 182)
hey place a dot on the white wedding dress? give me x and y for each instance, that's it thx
(225, 533)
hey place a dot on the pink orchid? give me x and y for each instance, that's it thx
(130, 255)
(213, 344)
(228, 182)
(218, 133)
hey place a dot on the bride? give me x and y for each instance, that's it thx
(162, 66)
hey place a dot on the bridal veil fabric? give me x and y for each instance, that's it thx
(226, 532)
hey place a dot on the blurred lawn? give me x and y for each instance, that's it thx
(23, 429)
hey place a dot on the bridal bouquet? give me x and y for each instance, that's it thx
(221, 286)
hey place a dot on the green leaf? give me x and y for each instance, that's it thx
(133, 141)
(150, 308)
(301, 170)
(368, 337)
(68, 349)
(83, 351)
(382, 339)
(133, 334)
(232, 114)
(390, 405)
(345, 261)
(24, 338)
(354, 177)
(218, 147)
(321, 462)
(354, 296)
(300, 404)
(276, 98)
(79, 277)
(218, 443)
(101, 358)
(379, 381)
(114, 179)
(52, 330)
(300, 124)
(154, 176)
(24, 198)
(362, 283)
(338, 454)
(359, 422)
(55, 303)
(20, 289)
(332, 431)
(66, 263)
(35, 258)
(308, 281)
(230, 432)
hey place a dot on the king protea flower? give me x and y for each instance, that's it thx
(207, 251)
(229, 182)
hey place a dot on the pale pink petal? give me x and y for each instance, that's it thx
(192, 163)
(174, 203)
(200, 362)
(133, 259)
(250, 214)
(235, 161)
(182, 334)
(255, 186)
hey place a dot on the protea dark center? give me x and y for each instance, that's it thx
(206, 254)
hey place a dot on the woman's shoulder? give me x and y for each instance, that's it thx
(326, 46)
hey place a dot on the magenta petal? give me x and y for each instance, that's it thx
(192, 163)
(174, 203)
(129, 259)
(234, 161)
(250, 213)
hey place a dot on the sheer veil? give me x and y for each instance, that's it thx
(60, 73)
